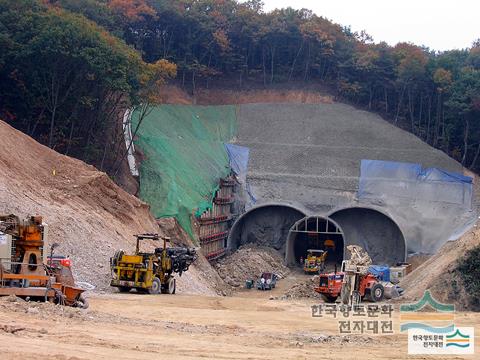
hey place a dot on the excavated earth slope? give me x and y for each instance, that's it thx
(439, 274)
(87, 214)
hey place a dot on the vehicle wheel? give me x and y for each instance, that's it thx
(329, 298)
(376, 292)
(171, 286)
(156, 286)
(116, 257)
(345, 293)
(82, 302)
(356, 298)
(123, 289)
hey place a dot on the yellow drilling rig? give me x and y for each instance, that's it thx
(150, 273)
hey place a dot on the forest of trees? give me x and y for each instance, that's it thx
(66, 64)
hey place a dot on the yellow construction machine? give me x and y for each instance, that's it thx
(150, 273)
(315, 261)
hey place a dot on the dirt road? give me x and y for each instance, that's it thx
(130, 326)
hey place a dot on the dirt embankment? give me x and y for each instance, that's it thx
(172, 94)
(87, 214)
(439, 273)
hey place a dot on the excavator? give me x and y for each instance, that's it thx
(150, 273)
(27, 271)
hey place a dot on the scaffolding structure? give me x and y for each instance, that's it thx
(215, 223)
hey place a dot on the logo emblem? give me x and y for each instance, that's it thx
(434, 332)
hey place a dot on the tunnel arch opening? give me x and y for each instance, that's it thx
(374, 231)
(314, 232)
(266, 225)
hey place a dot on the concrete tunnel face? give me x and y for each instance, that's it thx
(267, 225)
(288, 230)
(374, 231)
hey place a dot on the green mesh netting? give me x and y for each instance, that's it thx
(184, 158)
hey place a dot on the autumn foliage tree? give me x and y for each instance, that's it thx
(216, 42)
(64, 79)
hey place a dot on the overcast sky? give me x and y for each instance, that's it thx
(438, 24)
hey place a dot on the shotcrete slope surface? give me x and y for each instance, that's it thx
(297, 148)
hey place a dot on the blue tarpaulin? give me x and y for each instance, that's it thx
(238, 157)
(382, 272)
(381, 179)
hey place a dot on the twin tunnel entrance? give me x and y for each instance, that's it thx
(292, 232)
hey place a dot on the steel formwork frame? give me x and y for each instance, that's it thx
(310, 225)
(305, 221)
(215, 223)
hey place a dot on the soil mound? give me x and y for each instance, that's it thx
(303, 289)
(248, 262)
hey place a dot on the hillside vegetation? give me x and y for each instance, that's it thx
(67, 66)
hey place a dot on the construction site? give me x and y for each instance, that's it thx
(225, 200)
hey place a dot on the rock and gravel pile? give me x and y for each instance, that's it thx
(248, 262)
(304, 289)
(44, 310)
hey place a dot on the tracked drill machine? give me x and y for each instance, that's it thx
(26, 270)
(150, 273)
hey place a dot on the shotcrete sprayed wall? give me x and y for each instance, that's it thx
(266, 225)
(311, 155)
(374, 231)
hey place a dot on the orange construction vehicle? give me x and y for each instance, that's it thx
(25, 271)
(353, 283)
(368, 287)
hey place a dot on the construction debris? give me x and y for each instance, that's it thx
(304, 289)
(43, 310)
(248, 262)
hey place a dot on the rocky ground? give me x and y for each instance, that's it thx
(304, 289)
(131, 326)
(248, 262)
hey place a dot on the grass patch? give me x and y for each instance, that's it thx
(469, 270)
